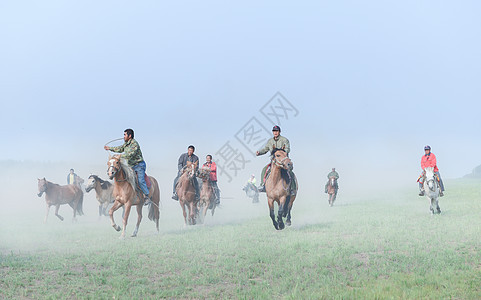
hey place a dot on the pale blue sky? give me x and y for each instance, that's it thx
(374, 81)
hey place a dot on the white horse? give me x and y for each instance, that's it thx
(251, 192)
(432, 189)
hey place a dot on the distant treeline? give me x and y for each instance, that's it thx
(475, 174)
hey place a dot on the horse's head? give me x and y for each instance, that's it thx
(204, 173)
(429, 173)
(42, 186)
(190, 169)
(91, 182)
(113, 166)
(281, 159)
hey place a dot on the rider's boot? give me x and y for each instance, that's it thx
(262, 188)
(441, 194)
(147, 200)
(175, 197)
(421, 192)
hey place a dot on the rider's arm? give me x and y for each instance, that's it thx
(118, 149)
(180, 162)
(265, 149)
(287, 146)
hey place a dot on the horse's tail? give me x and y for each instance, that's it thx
(80, 203)
(154, 208)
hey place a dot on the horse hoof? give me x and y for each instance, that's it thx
(117, 228)
(281, 226)
(122, 237)
(288, 223)
(133, 235)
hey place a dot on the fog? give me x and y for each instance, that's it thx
(356, 86)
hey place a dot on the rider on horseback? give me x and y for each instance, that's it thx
(183, 159)
(132, 153)
(429, 160)
(334, 174)
(213, 177)
(276, 142)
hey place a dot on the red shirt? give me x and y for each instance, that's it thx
(429, 160)
(213, 170)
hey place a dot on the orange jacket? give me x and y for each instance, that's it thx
(429, 160)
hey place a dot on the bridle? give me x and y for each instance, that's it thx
(116, 170)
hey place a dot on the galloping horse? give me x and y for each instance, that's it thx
(57, 195)
(103, 192)
(126, 193)
(278, 188)
(331, 190)
(432, 189)
(207, 195)
(186, 192)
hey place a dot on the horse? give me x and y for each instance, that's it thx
(331, 190)
(186, 191)
(126, 194)
(432, 190)
(251, 192)
(56, 195)
(278, 188)
(103, 192)
(207, 195)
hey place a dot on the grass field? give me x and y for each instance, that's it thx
(362, 248)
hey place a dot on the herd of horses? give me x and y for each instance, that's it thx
(123, 192)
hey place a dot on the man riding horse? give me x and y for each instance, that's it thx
(335, 175)
(429, 160)
(132, 153)
(183, 159)
(276, 142)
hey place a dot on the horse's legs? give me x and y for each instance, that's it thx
(100, 211)
(270, 202)
(280, 213)
(139, 218)
(184, 212)
(111, 214)
(192, 212)
(56, 212)
(46, 214)
(128, 206)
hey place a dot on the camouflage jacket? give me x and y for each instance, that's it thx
(279, 143)
(333, 174)
(131, 152)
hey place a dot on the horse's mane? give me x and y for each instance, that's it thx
(277, 149)
(129, 172)
(103, 184)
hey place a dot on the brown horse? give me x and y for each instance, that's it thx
(126, 194)
(331, 190)
(207, 195)
(278, 188)
(56, 195)
(186, 192)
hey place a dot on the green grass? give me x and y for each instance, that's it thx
(384, 247)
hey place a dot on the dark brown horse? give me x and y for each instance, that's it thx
(332, 190)
(207, 195)
(186, 192)
(56, 195)
(278, 188)
(126, 195)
